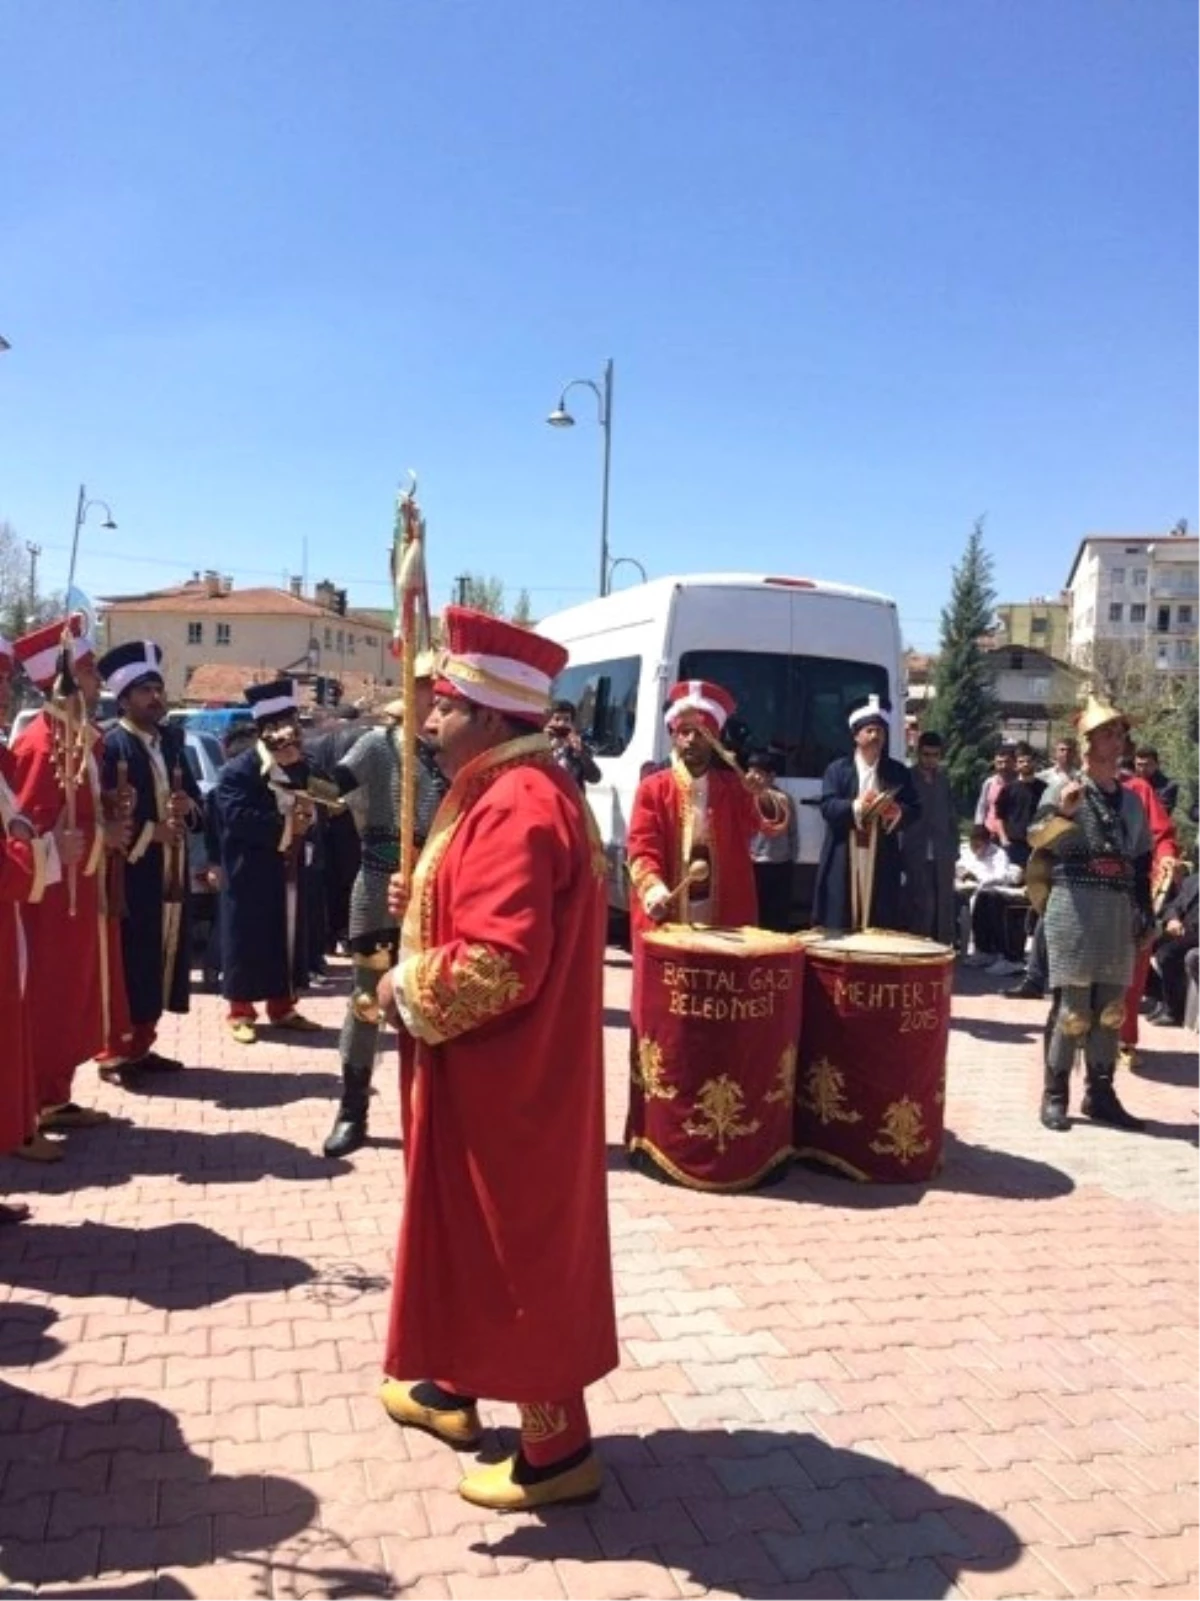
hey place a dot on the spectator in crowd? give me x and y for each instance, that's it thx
(1145, 765)
(1179, 923)
(567, 745)
(1066, 761)
(929, 847)
(1016, 804)
(1004, 771)
(773, 854)
(987, 880)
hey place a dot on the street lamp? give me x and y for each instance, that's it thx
(82, 509)
(560, 417)
(626, 561)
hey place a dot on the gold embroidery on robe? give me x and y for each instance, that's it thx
(721, 1103)
(785, 1078)
(901, 1134)
(542, 1421)
(825, 1093)
(454, 997)
(650, 1072)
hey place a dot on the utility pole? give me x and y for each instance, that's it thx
(460, 588)
(34, 552)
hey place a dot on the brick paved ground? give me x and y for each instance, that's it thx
(985, 1388)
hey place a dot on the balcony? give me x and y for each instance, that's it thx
(1163, 585)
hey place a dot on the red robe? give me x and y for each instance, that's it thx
(1165, 847)
(23, 867)
(75, 980)
(659, 847)
(503, 1281)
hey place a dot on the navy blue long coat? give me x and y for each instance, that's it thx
(831, 896)
(254, 901)
(142, 926)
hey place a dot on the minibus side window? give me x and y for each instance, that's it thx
(605, 696)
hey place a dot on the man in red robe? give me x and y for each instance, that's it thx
(28, 861)
(696, 817)
(1164, 868)
(503, 1281)
(76, 991)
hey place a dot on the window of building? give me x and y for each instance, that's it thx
(1137, 613)
(329, 639)
(195, 633)
(1139, 578)
(1164, 619)
(223, 633)
(1183, 650)
(1118, 575)
(1039, 688)
(605, 697)
(1016, 660)
(1135, 647)
(1116, 611)
(350, 643)
(340, 637)
(1039, 625)
(796, 706)
(1183, 614)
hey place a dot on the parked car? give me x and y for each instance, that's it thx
(205, 757)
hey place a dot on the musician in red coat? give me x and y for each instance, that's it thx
(698, 815)
(503, 1281)
(28, 861)
(1164, 865)
(73, 992)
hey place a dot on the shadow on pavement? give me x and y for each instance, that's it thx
(178, 1266)
(1181, 1068)
(173, 1512)
(1015, 1033)
(755, 1513)
(120, 1151)
(233, 1089)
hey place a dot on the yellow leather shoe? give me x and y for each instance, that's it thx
(459, 1428)
(241, 1032)
(495, 1487)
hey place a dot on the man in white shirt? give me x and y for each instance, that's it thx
(989, 883)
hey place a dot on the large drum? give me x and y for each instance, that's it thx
(871, 1085)
(714, 1054)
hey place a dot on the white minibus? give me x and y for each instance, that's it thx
(797, 654)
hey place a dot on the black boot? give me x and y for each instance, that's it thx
(1056, 1092)
(1100, 1101)
(350, 1125)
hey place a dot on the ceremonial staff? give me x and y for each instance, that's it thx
(71, 750)
(411, 636)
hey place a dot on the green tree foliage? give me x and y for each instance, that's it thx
(522, 612)
(964, 709)
(483, 594)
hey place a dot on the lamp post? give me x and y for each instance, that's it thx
(560, 417)
(625, 561)
(82, 507)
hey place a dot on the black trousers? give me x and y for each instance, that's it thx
(1171, 956)
(998, 929)
(774, 882)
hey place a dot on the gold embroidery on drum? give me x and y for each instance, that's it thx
(901, 1134)
(785, 1078)
(721, 1103)
(650, 1072)
(825, 1093)
(542, 1421)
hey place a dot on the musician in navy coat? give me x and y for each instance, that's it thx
(144, 771)
(855, 788)
(264, 815)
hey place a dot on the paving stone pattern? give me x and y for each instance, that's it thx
(983, 1387)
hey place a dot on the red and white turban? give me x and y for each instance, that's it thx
(696, 697)
(498, 664)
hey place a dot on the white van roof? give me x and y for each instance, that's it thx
(642, 601)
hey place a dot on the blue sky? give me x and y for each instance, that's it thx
(866, 270)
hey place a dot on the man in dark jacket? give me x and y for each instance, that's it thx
(866, 800)
(145, 774)
(1180, 924)
(265, 815)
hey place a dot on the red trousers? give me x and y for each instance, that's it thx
(277, 1008)
(1133, 997)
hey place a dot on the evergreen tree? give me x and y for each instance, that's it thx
(522, 612)
(964, 709)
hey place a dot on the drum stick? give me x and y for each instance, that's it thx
(697, 873)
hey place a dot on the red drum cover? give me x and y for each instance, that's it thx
(714, 1059)
(871, 1086)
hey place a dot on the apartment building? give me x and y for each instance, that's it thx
(207, 621)
(1038, 624)
(1139, 592)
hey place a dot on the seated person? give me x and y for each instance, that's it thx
(987, 880)
(1179, 924)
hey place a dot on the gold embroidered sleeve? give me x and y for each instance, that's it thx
(451, 990)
